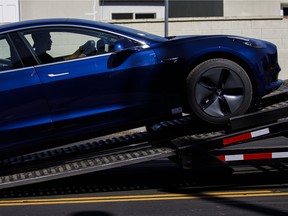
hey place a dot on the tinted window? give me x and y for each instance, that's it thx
(8, 56)
(59, 44)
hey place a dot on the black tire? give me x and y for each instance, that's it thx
(217, 90)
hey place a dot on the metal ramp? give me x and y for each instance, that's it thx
(87, 165)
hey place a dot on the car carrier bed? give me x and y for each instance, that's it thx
(186, 141)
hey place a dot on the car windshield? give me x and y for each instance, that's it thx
(146, 36)
(140, 35)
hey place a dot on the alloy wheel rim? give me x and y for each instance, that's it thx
(219, 92)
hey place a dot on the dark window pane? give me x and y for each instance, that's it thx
(122, 16)
(145, 16)
(196, 8)
(285, 11)
(130, 2)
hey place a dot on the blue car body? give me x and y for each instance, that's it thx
(125, 87)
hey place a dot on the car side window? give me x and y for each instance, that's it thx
(9, 58)
(60, 44)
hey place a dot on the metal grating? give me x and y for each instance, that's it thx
(88, 165)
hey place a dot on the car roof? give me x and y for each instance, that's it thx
(137, 34)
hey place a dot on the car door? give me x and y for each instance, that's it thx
(93, 90)
(24, 113)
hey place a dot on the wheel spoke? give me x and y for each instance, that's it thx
(233, 81)
(222, 105)
(207, 83)
(224, 76)
(207, 101)
(205, 90)
(214, 109)
(233, 102)
(212, 77)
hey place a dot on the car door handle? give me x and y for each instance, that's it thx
(59, 74)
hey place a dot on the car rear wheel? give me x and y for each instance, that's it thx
(217, 90)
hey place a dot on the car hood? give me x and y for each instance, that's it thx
(193, 37)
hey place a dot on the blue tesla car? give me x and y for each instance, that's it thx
(67, 77)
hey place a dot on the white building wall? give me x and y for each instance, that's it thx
(90, 9)
(39, 9)
(9, 11)
(252, 8)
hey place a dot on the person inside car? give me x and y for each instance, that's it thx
(42, 44)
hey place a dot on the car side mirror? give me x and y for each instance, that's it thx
(122, 44)
(117, 58)
(123, 48)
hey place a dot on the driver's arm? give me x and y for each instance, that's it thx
(84, 50)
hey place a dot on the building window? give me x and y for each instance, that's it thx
(285, 11)
(116, 16)
(196, 8)
(145, 16)
(131, 2)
